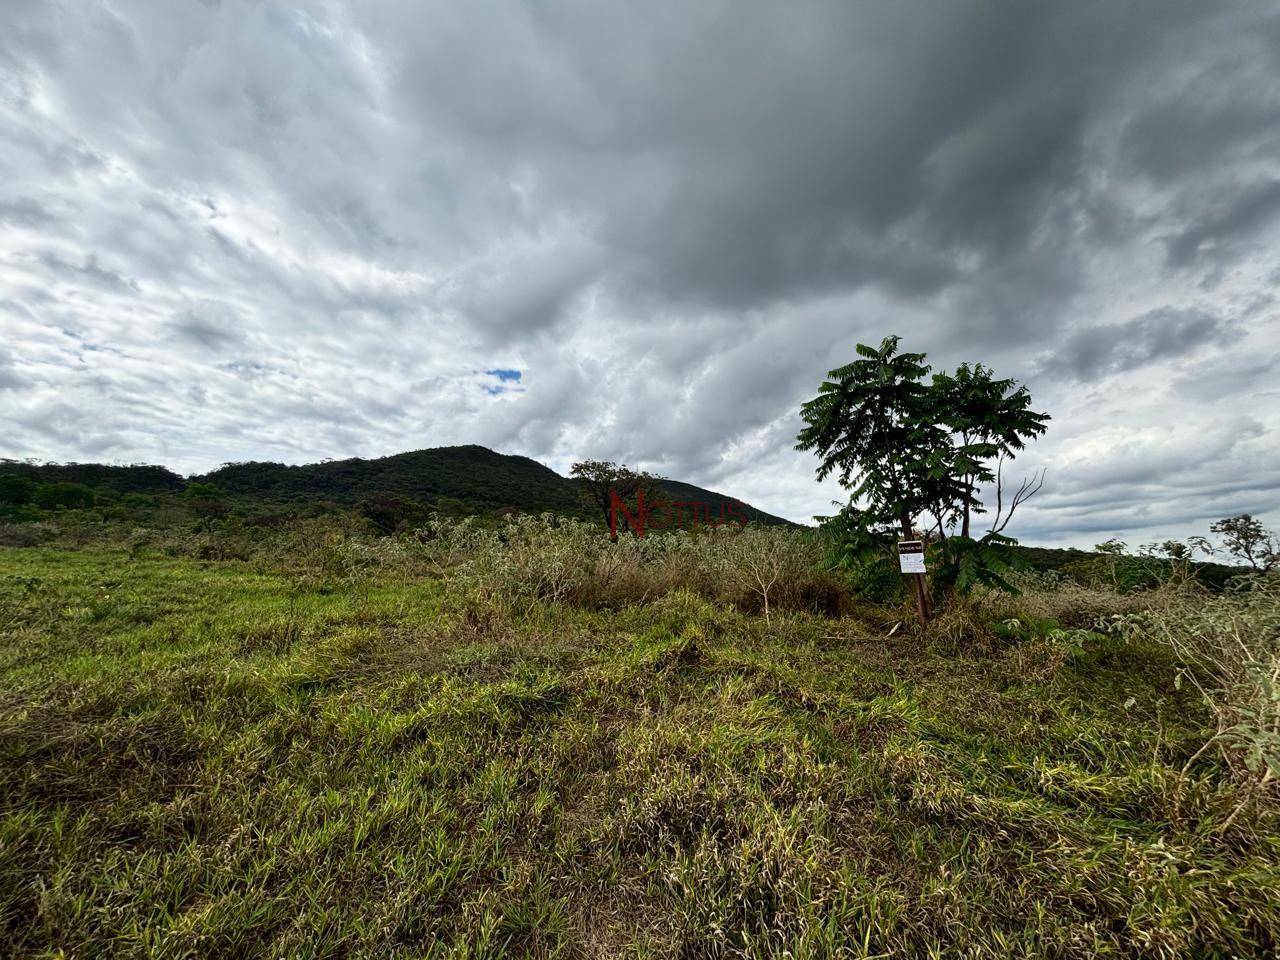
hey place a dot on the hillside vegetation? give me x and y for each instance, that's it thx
(466, 479)
(526, 741)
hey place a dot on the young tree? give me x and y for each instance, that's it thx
(600, 477)
(1248, 540)
(1114, 550)
(758, 558)
(903, 447)
(873, 422)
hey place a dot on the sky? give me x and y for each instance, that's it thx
(243, 230)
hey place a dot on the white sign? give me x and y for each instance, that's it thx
(911, 556)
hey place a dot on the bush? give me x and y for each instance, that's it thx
(1122, 573)
(390, 514)
(21, 534)
(63, 496)
(765, 562)
(1049, 595)
(15, 490)
(877, 579)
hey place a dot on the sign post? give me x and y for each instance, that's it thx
(911, 562)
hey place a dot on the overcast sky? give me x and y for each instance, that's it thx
(235, 230)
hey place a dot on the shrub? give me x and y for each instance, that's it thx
(21, 534)
(207, 501)
(63, 496)
(864, 555)
(766, 562)
(389, 513)
(15, 490)
(1050, 595)
(1120, 572)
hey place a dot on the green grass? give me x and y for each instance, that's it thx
(207, 759)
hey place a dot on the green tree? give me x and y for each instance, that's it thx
(390, 513)
(600, 479)
(16, 490)
(63, 496)
(1249, 541)
(208, 501)
(874, 423)
(989, 416)
(451, 507)
(904, 449)
(1114, 551)
(1175, 550)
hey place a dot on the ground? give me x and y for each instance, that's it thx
(212, 759)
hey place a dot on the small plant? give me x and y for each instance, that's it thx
(764, 560)
(1071, 641)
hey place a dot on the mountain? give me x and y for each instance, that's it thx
(477, 476)
(469, 478)
(139, 478)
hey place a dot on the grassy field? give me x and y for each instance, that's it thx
(217, 758)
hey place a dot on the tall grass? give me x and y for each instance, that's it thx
(554, 560)
(1229, 650)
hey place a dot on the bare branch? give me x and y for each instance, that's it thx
(1029, 487)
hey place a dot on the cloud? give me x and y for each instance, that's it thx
(25, 212)
(209, 324)
(10, 379)
(251, 231)
(1094, 351)
(1242, 214)
(87, 272)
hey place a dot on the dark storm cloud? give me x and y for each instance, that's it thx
(1236, 219)
(672, 218)
(1095, 351)
(739, 159)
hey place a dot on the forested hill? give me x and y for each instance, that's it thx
(475, 475)
(461, 479)
(139, 478)
(479, 478)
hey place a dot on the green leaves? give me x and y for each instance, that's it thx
(967, 563)
(874, 423)
(906, 447)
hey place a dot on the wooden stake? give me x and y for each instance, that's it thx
(922, 596)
